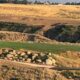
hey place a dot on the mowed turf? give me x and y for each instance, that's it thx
(42, 47)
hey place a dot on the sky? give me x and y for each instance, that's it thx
(60, 1)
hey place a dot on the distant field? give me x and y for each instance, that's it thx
(40, 10)
(40, 46)
(39, 14)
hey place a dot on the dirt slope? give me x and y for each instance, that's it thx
(21, 37)
(12, 71)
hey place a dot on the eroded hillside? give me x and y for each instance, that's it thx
(48, 21)
(39, 33)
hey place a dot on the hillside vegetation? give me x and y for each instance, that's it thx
(53, 31)
(39, 33)
(64, 33)
(43, 20)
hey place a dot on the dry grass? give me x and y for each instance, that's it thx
(40, 10)
(39, 14)
(47, 15)
(67, 62)
(10, 70)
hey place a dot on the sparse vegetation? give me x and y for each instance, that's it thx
(18, 71)
(61, 32)
(38, 27)
(68, 74)
(18, 27)
(64, 33)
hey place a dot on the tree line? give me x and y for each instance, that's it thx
(14, 1)
(72, 3)
(36, 2)
(24, 2)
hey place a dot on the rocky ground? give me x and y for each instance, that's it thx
(27, 56)
(11, 67)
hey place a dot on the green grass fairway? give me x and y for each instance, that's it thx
(39, 46)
